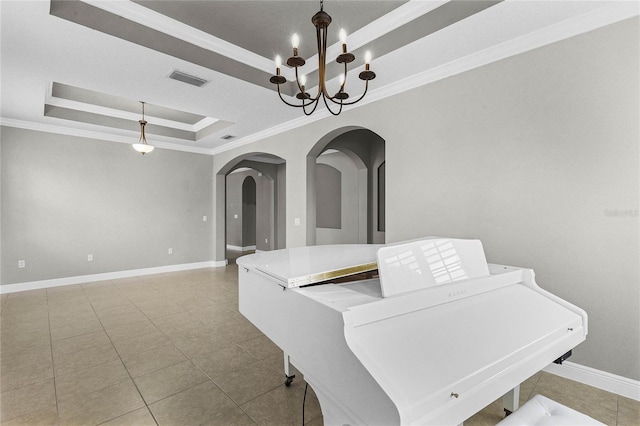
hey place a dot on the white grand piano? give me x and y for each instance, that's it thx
(436, 336)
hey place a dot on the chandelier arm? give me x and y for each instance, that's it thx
(366, 87)
(304, 109)
(290, 104)
(329, 108)
(333, 98)
(302, 91)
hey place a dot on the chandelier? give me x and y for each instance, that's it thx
(321, 21)
(142, 146)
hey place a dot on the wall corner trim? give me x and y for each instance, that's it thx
(609, 382)
(57, 282)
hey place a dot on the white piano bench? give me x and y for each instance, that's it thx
(542, 411)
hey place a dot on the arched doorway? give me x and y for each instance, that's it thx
(357, 154)
(250, 205)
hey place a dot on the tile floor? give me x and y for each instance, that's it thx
(172, 349)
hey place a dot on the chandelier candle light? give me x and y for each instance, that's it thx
(321, 21)
(142, 146)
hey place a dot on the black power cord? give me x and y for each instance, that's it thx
(303, 401)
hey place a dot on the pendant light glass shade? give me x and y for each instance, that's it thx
(142, 146)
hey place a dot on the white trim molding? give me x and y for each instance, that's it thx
(609, 382)
(57, 282)
(237, 248)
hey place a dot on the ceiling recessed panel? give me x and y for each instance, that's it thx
(265, 27)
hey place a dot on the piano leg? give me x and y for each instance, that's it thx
(287, 365)
(511, 400)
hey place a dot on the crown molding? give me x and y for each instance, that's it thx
(61, 130)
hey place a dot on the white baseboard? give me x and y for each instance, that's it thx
(237, 248)
(56, 282)
(609, 382)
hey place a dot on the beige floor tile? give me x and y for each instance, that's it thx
(154, 359)
(283, 406)
(65, 315)
(197, 341)
(26, 399)
(224, 358)
(151, 302)
(99, 406)
(78, 343)
(142, 343)
(100, 305)
(231, 417)
(197, 405)
(122, 320)
(132, 330)
(176, 324)
(162, 311)
(139, 417)
(261, 347)
(45, 417)
(91, 379)
(74, 361)
(111, 311)
(11, 378)
(596, 403)
(319, 421)
(488, 416)
(18, 341)
(276, 363)
(16, 316)
(250, 381)
(30, 356)
(26, 324)
(237, 328)
(195, 304)
(165, 382)
(83, 326)
(628, 412)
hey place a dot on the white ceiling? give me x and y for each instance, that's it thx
(81, 67)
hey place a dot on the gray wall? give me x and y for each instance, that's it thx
(533, 155)
(65, 197)
(328, 197)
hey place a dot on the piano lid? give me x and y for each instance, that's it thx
(295, 267)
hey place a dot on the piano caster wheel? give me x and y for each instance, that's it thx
(288, 381)
(507, 412)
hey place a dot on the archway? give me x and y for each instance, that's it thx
(268, 173)
(366, 151)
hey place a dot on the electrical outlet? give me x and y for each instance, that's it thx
(89, 258)
(204, 218)
(296, 221)
(266, 241)
(21, 264)
(170, 251)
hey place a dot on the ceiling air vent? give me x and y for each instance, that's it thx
(227, 137)
(186, 78)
